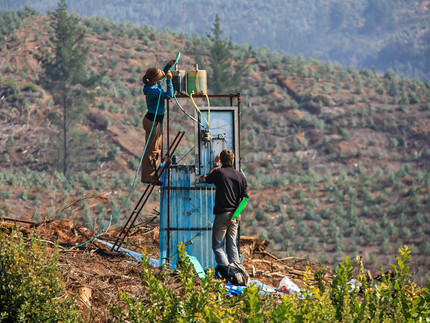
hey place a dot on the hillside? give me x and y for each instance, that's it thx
(386, 34)
(337, 158)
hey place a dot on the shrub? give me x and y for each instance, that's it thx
(11, 85)
(425, 107)
(392, 299)
(31, 286)
(113, 152)
(4, 209)
(260, 214)
(115, 108)
(30, 87)
(98, 120)
(86, 181)
(164, 305)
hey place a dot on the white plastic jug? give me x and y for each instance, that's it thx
(286, 286)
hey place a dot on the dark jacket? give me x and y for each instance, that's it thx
(231, 187)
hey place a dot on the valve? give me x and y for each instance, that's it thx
(206, 135)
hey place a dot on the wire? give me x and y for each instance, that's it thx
(186, 113)
(197, 108)
(178, 55)
(186, 154)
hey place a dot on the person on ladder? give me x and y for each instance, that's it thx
(155, 114)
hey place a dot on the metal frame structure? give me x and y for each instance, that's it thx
(171, 147)
(198, 141)
(168, 187)
(144, 198)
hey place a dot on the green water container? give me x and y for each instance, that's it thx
(197, 82)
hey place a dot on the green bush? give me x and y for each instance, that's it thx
(86, 181)
(163, 304)
(31, 286)
(114, 152)
(260, 214)
(12, 85)
(391, 299)
(30, 87)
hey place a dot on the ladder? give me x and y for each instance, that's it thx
(145, 196)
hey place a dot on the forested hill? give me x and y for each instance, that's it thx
(386, 34)
(337, 159)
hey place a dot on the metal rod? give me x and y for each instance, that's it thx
(147, 193)
(240, 164)
(189, 229)
(238, 130)
(209, 95)
(117, 242)
(168, 186)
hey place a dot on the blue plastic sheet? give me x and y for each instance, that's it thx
(234, 290)
(138, 256)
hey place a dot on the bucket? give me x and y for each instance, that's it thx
(178, 81)
(197, 82)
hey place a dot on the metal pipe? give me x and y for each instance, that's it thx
(238, 120)
(168, 186)
(240, 165)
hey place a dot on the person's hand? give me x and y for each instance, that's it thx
(170, 63)
(217, 160)
(236, 221)
(169, 75)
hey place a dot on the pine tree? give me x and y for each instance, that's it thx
(223, 78)
(65, 76)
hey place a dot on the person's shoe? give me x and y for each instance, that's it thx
(147, 180)
(157, 182)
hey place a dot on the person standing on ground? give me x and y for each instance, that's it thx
(152, 89)
(231, 187)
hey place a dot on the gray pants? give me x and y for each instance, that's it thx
(224, 232)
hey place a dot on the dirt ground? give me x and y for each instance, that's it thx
(97, 275)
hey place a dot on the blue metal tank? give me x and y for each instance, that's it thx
(186, 215)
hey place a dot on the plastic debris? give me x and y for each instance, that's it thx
(234, 290)
(197, 267)
(287, 287)
(138, 256)
(263, 288)
(354, 284)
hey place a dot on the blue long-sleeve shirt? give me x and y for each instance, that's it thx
(152, 92)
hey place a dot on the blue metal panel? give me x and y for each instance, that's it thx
(190, 218)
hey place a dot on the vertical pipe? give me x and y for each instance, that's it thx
(238, 130)
(168, 124)
(168, 187)
(240, 165)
